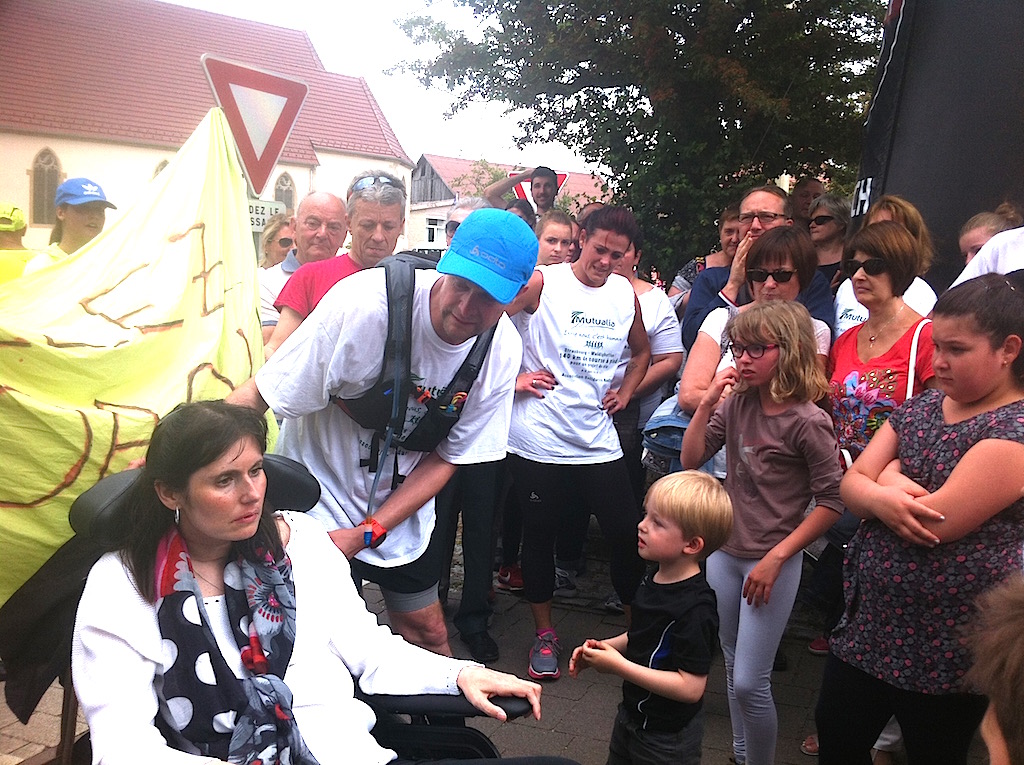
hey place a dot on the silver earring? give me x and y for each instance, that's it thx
(177, 515)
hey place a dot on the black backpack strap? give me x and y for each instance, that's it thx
(401, 281)
(469, 370)
(379, 408)
(444, 411)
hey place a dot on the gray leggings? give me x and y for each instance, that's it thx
(750, 637)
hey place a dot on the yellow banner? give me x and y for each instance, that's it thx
(160, 308)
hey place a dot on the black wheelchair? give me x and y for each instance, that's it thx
(36, 625)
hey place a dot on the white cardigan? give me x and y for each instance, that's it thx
(118, 660)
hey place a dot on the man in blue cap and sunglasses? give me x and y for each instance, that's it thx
(337, 354)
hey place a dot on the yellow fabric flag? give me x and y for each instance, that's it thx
(160, 308)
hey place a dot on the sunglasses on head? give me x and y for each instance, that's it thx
(285, 241)
(780, 275)
(871, 266)
(369, 182)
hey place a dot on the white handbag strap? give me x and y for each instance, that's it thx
(912, 371)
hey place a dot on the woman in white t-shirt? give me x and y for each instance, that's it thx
(666, 341)
(780, 263)
(563, 445)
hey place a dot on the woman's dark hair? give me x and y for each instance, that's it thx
(996, 305)
(618, 220)
(184, 441)
(777, 244)
(730, 213)
(57, 232)
(893, 243)
(523, 206)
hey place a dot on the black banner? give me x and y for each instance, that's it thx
(945, 129)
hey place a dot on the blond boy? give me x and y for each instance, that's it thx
(664, 657)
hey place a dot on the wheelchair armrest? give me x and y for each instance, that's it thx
(443, 705)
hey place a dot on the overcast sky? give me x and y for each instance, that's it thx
(361, 39)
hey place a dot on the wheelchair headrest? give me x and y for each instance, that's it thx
(99, 511)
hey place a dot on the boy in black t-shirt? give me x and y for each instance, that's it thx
(665, 656)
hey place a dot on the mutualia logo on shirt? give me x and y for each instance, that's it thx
(578, 317)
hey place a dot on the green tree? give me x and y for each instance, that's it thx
(480, 175)
(685, 103)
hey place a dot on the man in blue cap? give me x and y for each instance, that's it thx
(337, 354)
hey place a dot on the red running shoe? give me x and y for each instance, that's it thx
(510, 578)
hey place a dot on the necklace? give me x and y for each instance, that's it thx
(872, 338)
(218, 587)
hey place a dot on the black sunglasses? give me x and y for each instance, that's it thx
(451, 227)
(821, 220)
(871, 266)
(285, 241)
(780, 275)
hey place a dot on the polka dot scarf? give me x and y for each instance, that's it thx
(204, 708)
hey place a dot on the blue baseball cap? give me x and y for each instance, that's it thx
(80, 191)
(495, 250)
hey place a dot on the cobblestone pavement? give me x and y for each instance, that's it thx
(577, 714)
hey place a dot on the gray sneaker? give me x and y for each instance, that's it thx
(613, 604)
(544, 657)
(565, 583)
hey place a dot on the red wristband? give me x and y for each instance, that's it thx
(377, 533)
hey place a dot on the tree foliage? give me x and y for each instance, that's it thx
(685, 103)
(480, 175)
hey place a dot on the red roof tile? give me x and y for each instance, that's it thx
(586, 185)
(129, 71)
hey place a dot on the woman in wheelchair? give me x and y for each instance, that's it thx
(223, 631)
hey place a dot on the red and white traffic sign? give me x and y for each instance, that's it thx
(261, 107)
(520, 188)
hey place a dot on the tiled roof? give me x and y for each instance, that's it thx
(450, 168)
(129, 71)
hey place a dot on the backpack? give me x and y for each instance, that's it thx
(382, 408)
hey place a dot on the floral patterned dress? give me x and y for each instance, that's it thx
(907, 604)
(865, 393)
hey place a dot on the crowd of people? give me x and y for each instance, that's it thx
(827, 392)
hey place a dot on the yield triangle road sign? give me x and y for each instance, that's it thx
(260, 107)
(520, 188)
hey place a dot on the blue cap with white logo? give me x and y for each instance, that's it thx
(495, 250)
(80, 191)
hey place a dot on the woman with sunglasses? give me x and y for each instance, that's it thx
(919, 295)
(829, 223)
(278, 237)
(780, 262)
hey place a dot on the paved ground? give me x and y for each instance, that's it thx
(577, 714)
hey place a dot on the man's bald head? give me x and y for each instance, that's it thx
(321, 225)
